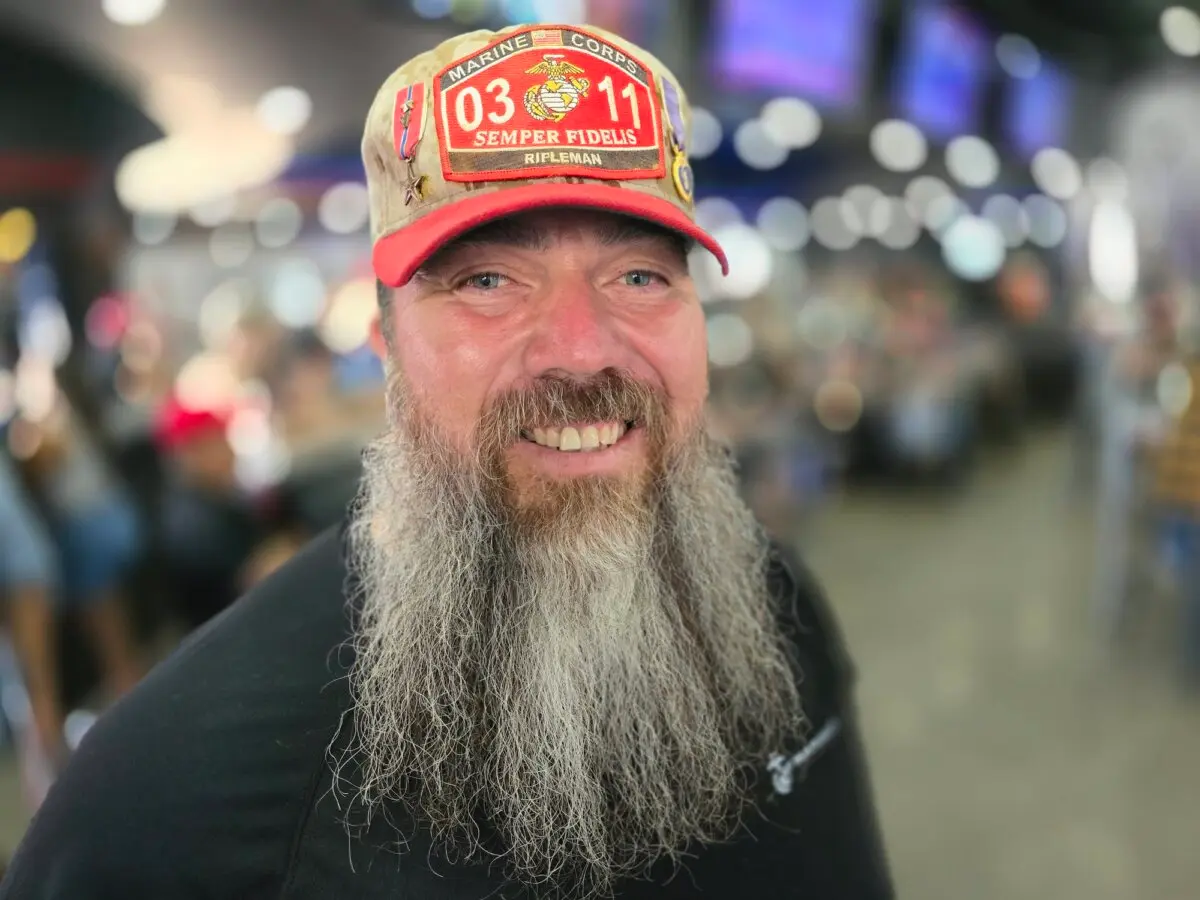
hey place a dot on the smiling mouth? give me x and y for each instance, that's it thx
(584, 438)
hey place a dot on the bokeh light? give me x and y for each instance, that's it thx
(756, 147)
(1018, 56)
(1180, 28)
(898, 145)
(829, 225)
(706, 133)
(278, 222)
(973, 248)
(791, 123)
(730, 340)
(347, 324)
(1056, 173)
(750, 263)
(783, 222)
(133, 12)
(231, 245)
(1113, 252)
(285, 110)
(1007, 214)
(18, 231)
(922, 191)
(207, 381)
(219, 313)
(943, 211)
(972, 161)
(153, 228)
(344, 208)
(716, 212)
(297, 293)
(1047, 221)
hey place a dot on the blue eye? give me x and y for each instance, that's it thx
(483, 281)
(640, 278)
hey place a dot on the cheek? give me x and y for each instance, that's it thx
(679, 354)
(446, 371)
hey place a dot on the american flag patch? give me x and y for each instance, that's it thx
(545, 38)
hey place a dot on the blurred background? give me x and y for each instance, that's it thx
(954, 355)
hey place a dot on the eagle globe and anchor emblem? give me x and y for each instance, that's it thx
(560, 93)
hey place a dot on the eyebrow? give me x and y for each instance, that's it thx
(523, 236)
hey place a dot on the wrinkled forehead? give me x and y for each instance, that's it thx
(542, 229)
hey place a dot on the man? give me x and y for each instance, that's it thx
(559, 659)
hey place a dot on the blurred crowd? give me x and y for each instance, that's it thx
(127, 529)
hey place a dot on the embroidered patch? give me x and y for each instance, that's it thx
(541, 103)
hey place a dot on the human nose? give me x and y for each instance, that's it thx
(575, 333)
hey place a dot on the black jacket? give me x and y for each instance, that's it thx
(212, 779)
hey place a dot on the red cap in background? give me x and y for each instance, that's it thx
(178, 425)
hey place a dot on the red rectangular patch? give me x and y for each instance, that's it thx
(407, 118)
(540, 103)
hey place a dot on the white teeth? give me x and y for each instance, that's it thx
(569, 440)
(573, 439)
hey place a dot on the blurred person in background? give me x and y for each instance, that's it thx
(216, 542)
(1132, 424)
(1173, 438)
(29, 579)
(1095, 328)
(100, 540)
(928, 420)
(324, 427)
(317, 417)
(553, 651)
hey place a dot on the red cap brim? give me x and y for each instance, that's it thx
(398, 256)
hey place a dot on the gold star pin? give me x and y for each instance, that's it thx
(414, 188)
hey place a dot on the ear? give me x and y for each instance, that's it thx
(376, 340)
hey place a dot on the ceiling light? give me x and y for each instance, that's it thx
(133, 12)
(1180, 29)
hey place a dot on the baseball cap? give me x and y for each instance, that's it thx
(177, 424)
(490, 124)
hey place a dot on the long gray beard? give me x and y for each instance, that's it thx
(592, 690)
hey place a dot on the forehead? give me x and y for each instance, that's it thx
(541, 229)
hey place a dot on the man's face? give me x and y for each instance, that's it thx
(510, 340)
(210, 460)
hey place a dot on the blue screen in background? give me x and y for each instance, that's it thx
(1038, 109)
(816, 49)
(945, 60)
